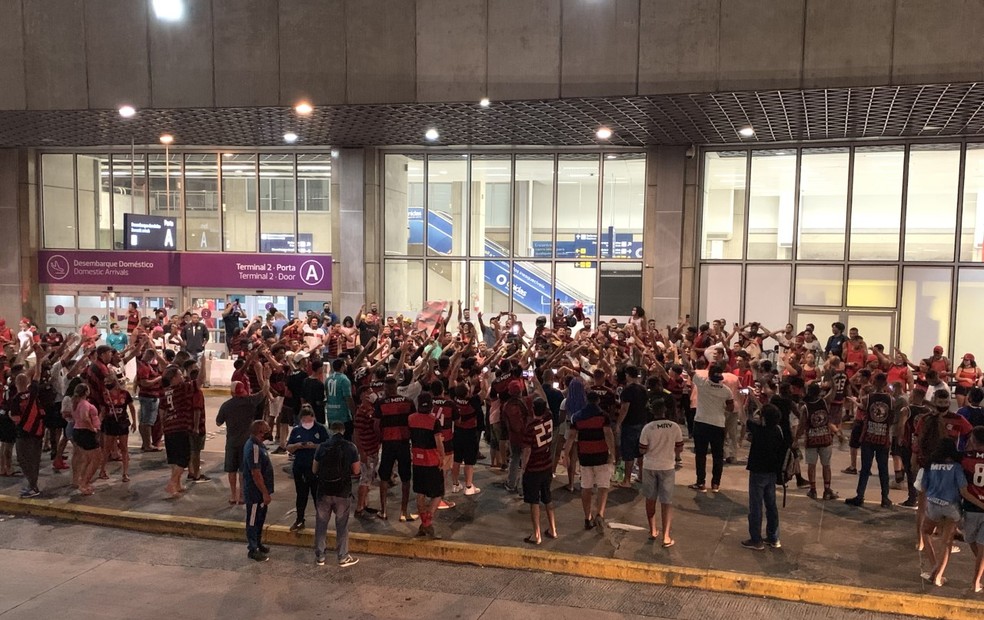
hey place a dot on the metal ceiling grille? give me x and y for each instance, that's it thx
(707, 119)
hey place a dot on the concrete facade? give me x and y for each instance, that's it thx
(78, 54)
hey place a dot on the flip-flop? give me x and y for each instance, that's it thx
(530, 540)
(669, 543)
(551, 534)
(410, 518)
(651, 537)
(381, 515)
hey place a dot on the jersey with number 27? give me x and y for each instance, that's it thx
(539, 437)
(973, 466)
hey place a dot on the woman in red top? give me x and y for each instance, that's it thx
(132, 317)
(86, 440)
(967, 375)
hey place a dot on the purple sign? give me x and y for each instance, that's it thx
(207, 270)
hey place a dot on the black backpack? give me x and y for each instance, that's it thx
(334, 472)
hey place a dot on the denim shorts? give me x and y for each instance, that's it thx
(148, 410)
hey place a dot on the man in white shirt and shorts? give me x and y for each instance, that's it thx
(660, 444)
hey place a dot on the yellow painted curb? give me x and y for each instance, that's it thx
(829, 595)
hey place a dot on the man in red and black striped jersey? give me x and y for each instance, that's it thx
(392, 412)
(538, 468)
(446, 412)
(596, 455)
(367, 439)
(427, 452)
(466, 437)
(176, 415)
(973, 502)
(28, 416)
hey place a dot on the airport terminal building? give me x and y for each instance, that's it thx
(769, 160)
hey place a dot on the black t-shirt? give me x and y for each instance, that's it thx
(313, 393)
(295, 390)
(637, 398)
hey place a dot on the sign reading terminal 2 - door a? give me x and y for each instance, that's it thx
(206, 270)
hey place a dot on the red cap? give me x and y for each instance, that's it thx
(239, 389)
(969, 357)
(872, 357)
(937, 349)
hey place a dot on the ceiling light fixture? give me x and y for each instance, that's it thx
(127, 111)
(290, 137)
(746, 132)
(169, 10)
(166, 139)
(485, 102)
(431, 134)
(611, 156)
(334, 153)
(303, 108)
(604, 133)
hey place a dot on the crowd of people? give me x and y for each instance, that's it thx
(370, 400)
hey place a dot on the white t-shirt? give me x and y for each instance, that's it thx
(711, 399)
(660, 438)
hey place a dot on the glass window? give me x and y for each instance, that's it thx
(876, 203)
(972, 227)
(491, 205)
(576, 282)
(447, 205)
(534, 205)
(931, 203)
(771, 205)
(314, 203)
(821, 322)
(164, 189)
(872, 287)
(447, 280)
(620, 288)
(925, 312)
(720, 293)
(95, 216)
(488, 288)
(819, 285)
(202, 214)
(58, 201)
(404, 287)
(722, 229)
(129, 191)
(623, 206)
(767, 294)
(873, 328)
(59, 311)
(970, 299)
(403, 203)
(532, 286)
(577, 206)
(823, 204)
(239, 198)
(277, 211)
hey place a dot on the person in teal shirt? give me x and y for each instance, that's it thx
(116, 338)
(338, 397)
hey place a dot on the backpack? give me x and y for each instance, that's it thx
(788, 470)
(334, 474)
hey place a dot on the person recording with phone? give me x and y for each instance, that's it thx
(232, 316)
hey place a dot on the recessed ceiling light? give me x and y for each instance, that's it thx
(463, 155)
(746, 132)
(604, 133)
(167, 138)
(304, 108)
(931, 128)
(227, 155)
(290, 137)
(169, 10)
(611, 156)
(485, 102)
(334, 153)
(126, 111)
(431, 134)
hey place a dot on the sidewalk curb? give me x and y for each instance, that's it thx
(847, 597)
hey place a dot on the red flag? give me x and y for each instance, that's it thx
(428, 317)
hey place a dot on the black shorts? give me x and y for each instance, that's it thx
(395, 452)
(465, 443)
(178, 448)
(961, 390)
(114, 427)
(428, 481)
(53, 418)
(536, 487)
(233, 459)
(286, 415)
(85, 439)
(856, 434)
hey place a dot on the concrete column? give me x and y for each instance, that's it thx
(19, 238)
(349, 255)
(663, 235)
(395, 201)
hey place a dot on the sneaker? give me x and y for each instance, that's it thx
(319, 560)
(912, 502)
(886, 503)
(347, 561)
(730, 460)
(757, 545)
(28, 493)
(830, 494)
(715, 488)
(456, 488)
(510, 488)
(264, 549)
(444, 505)
(698, 487)
(802, 482)
(850, 470)
(472, 490)
(855, 501)
(258, 556)
(202, 478)
(775, 544)
(298, 525)
(812, 494)
(280, 450)
(432, 533)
